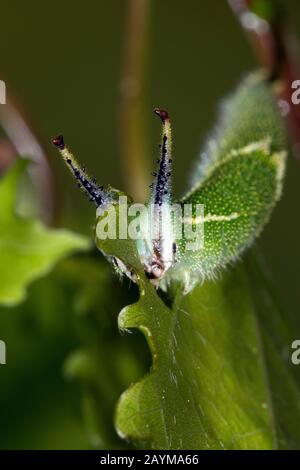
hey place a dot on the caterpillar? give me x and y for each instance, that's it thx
(236, 184)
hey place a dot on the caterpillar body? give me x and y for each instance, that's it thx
(237, 182)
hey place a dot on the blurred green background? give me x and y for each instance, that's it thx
(63, 62)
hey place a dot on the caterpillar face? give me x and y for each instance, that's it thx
(157, 251)
(237, 184)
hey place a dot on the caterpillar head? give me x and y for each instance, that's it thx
(156, 246)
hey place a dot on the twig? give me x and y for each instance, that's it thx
(276, 49)
(24, 143)
(131, 119)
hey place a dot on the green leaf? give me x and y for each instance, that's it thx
(214, 382)
(277, 332)
(207, 388)
(28, 250)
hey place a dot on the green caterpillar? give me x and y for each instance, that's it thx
(237, 183)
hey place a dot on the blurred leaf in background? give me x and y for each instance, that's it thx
(28, 250)
(64, 334)
(71, 308)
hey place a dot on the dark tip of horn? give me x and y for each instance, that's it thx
(59, 142)
(164, 116)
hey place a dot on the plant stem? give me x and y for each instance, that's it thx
(133, 140)
(276, 48)
(25, 144)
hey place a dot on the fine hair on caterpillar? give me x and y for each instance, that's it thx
(159, 249)
(233, 190)
(96, 193)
